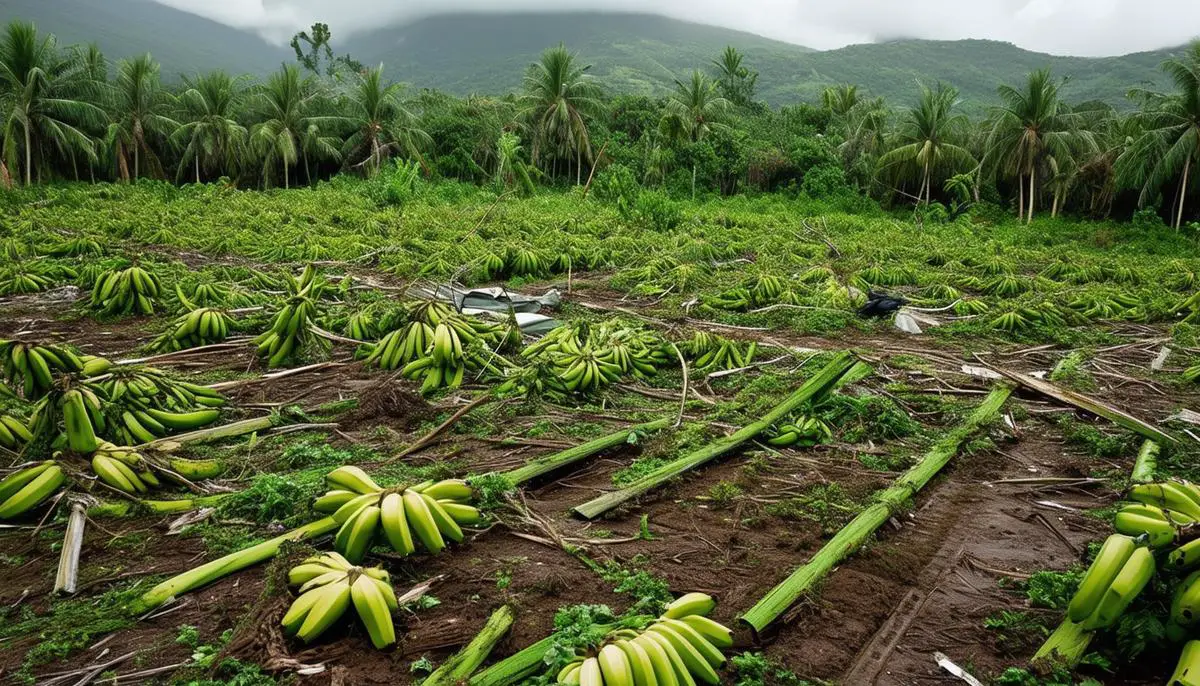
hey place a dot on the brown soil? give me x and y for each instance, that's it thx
(926, 583)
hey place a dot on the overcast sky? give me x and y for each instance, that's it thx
(1071, 27)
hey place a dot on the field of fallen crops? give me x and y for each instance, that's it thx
(276, 437)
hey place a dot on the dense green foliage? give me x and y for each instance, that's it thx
(68, 117)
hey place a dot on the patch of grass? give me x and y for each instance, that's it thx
(826, 504)
(269, 498)
(756, 669)
(1096, 442)
(649, 592)
(638, 469)
(69, 624)
(1052, 590)
(1070, 372)
(316, 452)
(1016, 630)
(222, 539)
(868, 417)
(723, 494)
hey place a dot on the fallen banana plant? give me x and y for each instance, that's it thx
(851, 537)
(544, 465)
(813, 389)
(464, 663)
(223, 566)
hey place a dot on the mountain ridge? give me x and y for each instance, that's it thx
(630, 53)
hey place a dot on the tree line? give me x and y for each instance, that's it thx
(71, 115)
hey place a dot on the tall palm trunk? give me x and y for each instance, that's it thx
(28, 154)
(578, 164)
(1021, 197)
(693, 180)
(1187, 167)
(1032, 197)
(136, 160)
(197, 166)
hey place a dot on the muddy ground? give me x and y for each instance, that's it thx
(926, 583)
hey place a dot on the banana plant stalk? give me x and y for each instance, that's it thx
(223, 566)
(814, 388)
(213, 433)
(127, 507)
(68, 560)
(544, 465)
(466, 661)
(888, 502)
(1065, 647)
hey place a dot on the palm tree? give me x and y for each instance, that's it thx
(928, 142)
(839, 99)
(510, 168)
(286, 130)
(693, 111)
(209, 130)
(382, 125)
(45, 99)
(736, 81)
(1172, 138)
(140, 111)
(560, 96)
(1029, 127)
(1098, 174)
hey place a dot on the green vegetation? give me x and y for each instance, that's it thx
(709, 135)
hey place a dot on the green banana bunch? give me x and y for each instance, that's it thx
(1188, 671)
(681, 647)
(94, 366)
(204, 295)
(402, 346)
(123, 469)
(329, 585)
(432, 312)
(726, 354)
(31, 367)
(27, 488)
(289, 331)
(586, 371)
(139, 426)
(82, 416)
(539, 379)
(1012, 322)
(968, 307)
(805, 432)
(201, 326)
(76, 247)
(1160, 527)
(14, 433)
(737, 299)
(526, 262)
(428, 513)
(1004, 286)
(1180, 497)
(18, 281)
(126, 291)
(766, 288)
(362, 326)
(1115, 578)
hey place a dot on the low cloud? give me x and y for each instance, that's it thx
(1075, 27)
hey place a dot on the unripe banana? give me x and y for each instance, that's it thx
(373, 610)
(690, 604)
(1133, 577)
(1108, 563)
(328, 608)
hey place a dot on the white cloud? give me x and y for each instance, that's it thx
(1078, 27)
